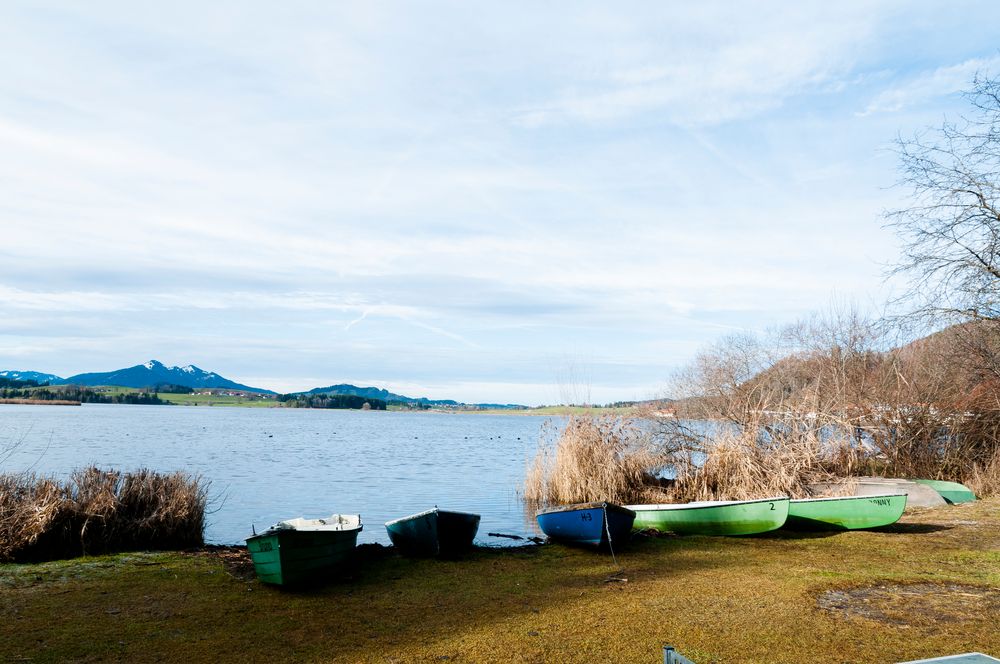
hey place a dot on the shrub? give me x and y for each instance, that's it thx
(593, 459)
(99, 511)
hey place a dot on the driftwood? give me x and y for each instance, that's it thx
(533, 540)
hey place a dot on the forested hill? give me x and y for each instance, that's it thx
(391, 397)
(377, 393)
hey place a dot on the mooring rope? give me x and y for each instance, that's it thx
(607, 529)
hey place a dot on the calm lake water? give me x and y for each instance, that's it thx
(269, 464)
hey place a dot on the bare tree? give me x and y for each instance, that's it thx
(951, 227)
(831, 396)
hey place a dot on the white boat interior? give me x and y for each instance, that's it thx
(327, 523)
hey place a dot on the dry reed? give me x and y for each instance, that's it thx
(984, 479)
(593, 459)
(97, 511)
(749, 463)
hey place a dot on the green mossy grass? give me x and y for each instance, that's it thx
(927, 586)
(218, 400)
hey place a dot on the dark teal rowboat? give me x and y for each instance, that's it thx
(433, 532)
(299, 550)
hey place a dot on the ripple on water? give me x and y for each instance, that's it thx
(272, 464)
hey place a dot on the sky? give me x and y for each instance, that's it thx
(505, 202)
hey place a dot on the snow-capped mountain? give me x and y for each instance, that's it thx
(36, 376)
(154, 373)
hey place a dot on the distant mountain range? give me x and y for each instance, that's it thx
(150, 374)
(154, 373)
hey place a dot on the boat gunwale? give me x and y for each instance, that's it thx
(478, 516)
(698, 505)
(410, 517)
(820, 499)
(573, 507)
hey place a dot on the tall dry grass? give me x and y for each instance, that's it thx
(593, 459)
(758, 461)
(984, 479)
(98, 511)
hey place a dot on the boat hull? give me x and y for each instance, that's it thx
(845, 513)
(953, 492)
(434, 532)
(291, 557)
(747, 517)
(590, 524)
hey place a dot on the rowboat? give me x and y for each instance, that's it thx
(953, 492)
(595, 524)
(845, 512)
(714, 517)
(433, 532)
(297, 550)
(917, 495)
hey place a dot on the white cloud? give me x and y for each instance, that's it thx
(352, 190)
(721, 72)
(930, 84)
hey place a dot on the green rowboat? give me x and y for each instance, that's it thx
(953, 492)
(433, 532)
(714, 517)
(845, 512)
(298, 550)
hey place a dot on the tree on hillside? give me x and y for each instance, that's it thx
(951, 227)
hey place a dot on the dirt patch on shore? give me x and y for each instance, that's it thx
(237, 562)
(235, 559)
(913, 604)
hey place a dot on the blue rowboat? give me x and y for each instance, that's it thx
(596, 524)
(433, 532)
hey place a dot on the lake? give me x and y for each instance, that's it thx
(269, 464)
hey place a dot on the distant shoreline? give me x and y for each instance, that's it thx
(231, 402)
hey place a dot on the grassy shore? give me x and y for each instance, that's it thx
(560, 411)
(218, 400)
(927, 586)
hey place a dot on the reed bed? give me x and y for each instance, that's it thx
(758, 462)
(783, 455)
(594, 459)
(614, 459)
(933, 443)
(98, 511)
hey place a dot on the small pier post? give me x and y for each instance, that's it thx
(671, 656)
